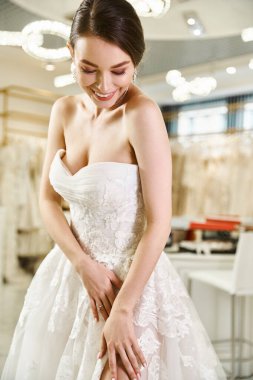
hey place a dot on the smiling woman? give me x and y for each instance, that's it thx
(105, 80)
(106, 83)
(106, 303)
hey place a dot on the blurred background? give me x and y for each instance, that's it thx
(198, 66)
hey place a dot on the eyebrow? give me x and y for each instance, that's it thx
(112, 67)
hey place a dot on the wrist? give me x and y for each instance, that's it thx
(121, 309)
(81, 262)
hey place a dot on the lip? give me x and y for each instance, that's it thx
(102, 99)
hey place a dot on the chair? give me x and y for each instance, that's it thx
(238, 283)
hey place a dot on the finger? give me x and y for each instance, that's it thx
(115, 280)
(103, 347)
(133, 359)
(94, 309)
(127, 364)
(111, 296)
(112, 362)
(138, 353)
(102, 310)
(107, 304)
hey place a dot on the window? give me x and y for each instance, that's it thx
(248, 116)
(203, 120)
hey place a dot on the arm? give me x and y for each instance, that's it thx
(96, 278)
(149, 139)
(50, 201)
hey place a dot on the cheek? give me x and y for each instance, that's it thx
(123, 80)
(87, 80)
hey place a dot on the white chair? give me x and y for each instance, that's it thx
(238, 283)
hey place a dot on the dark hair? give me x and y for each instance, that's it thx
(113, 21)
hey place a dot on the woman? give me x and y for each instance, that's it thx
(106, 302)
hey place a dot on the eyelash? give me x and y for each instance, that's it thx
(92, 72)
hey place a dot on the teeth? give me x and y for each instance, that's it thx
(103, 96)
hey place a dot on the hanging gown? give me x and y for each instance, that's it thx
(57, 337)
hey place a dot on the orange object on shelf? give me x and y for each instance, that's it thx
(216, 220)
(214, 226)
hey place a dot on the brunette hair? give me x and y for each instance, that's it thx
(113, 21)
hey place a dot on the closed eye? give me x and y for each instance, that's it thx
(93, 71)
(88, 71)
(118, 73)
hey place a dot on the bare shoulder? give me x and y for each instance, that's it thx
(143, 112)
(64, 104)
(62, 110)
(140, 102)
(143, 116)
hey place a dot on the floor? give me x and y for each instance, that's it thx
(12, 298)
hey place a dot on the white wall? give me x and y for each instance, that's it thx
(18, 68)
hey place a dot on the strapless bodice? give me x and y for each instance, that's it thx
(106, 207)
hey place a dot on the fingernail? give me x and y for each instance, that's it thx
(98, 355)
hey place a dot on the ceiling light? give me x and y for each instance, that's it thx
(194, 23)
(197, 32)
(247, 34)
(231, 70)
(251, 64)
(202, 86)
(31, 39)
(63, 80)
(46, 27)
(174, 78)
(141, 7)
(150, 8)
(182, 92)
(191, 21)
(50, 67)
(17, 38)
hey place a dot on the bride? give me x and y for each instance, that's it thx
(106, 303)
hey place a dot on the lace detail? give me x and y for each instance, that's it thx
(57, 338)
(109, 225)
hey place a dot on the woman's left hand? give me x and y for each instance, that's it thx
(119, 337)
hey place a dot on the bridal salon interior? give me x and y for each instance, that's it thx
(198, 67)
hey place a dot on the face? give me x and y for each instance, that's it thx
(103, 70)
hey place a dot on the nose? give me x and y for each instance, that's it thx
(103, 82)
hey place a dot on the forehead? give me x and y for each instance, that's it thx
(99, 52)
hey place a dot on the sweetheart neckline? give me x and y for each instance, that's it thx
(91, 164)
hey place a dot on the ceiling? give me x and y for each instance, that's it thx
(237, 14)
(169, 43)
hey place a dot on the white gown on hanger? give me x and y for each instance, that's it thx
(57, 338)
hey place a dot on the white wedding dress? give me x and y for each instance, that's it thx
(57, 338)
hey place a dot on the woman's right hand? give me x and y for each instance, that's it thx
(101, 284)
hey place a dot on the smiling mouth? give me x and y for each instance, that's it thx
(100, 96)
